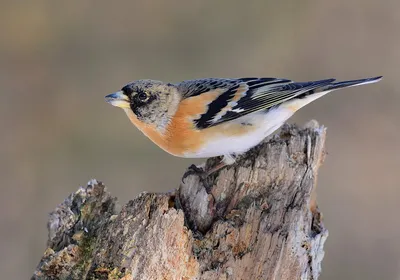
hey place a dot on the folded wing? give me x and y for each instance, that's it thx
(243, 96)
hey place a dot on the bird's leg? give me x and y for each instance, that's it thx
(226, 160)
(193, 169)
(199, 171)
(216, 168)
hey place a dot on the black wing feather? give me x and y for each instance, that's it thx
(215, 107)
(262, 94)
(267, 100)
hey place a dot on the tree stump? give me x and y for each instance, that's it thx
(256, 219)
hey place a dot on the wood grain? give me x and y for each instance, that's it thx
(256, 219)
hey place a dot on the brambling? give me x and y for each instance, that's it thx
(217, 117)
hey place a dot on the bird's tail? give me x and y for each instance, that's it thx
(352, 83)
(325, 86)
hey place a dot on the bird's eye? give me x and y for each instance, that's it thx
(142, 96)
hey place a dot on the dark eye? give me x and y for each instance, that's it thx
(142, 96)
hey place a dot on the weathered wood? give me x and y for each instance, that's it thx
(256, 219)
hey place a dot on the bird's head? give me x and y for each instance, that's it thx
(152, 102)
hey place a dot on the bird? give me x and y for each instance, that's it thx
(214, 117)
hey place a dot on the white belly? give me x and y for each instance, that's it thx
(262, 125)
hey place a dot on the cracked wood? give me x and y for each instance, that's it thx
(258, 220)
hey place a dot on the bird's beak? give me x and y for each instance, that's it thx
(118, 99)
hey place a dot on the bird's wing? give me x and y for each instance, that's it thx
(243, 96)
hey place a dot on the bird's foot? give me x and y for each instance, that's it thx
(201, 173)
(194, 170)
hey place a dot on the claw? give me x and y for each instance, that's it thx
(203, 176)
(194, 170)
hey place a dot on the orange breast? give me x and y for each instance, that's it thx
(185, 138)
(181, 136)
(149, 130)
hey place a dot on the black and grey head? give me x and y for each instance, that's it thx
(153, 102)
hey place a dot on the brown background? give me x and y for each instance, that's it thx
(59, 59)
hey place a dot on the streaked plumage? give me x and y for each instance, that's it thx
(214, 117)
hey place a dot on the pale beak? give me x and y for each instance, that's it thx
(118, 99)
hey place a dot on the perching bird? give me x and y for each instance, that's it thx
(217, 117)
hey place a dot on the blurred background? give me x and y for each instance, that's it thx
(59, 59)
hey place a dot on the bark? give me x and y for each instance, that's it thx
(256, 219)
